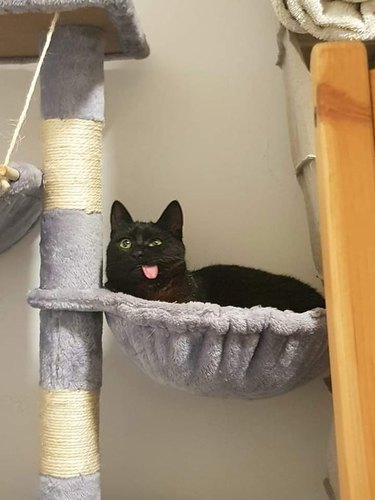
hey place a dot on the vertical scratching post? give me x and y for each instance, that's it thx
(71, 252)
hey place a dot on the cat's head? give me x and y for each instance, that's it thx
(144, 254)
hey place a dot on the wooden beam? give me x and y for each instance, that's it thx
(372, 89)
(346, 176)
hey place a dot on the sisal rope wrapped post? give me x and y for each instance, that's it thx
(72, 100)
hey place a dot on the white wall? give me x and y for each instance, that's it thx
(202, 120)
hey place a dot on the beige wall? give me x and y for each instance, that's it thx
(202, 120)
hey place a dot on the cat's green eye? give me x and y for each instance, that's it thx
(125, 244)
(155, 243)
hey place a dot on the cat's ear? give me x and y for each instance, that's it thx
(172, 219)
(119, 216)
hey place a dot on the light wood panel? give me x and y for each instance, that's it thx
(372, 89)
(346, 175)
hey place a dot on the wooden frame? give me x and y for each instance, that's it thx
(346, 177)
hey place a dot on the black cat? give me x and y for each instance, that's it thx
(147, 260)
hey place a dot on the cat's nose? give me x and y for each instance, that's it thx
(138, 253)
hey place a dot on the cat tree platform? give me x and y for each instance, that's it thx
(207, 349)
(22, 22)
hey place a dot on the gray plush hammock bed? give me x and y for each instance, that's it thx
(205, 348)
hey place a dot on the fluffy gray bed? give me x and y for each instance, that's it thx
(205, 348)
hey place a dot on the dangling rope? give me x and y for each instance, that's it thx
(8, 173)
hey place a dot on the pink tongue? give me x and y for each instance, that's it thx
(151, 272)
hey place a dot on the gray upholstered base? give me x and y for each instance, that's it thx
(58, 101)
(21, 206)
(76, 488)
(207, 349)
(71, 256)
(70, 351)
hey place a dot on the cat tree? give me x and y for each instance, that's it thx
(204, 348)
(72, 99)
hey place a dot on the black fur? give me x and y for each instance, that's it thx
(220, 284)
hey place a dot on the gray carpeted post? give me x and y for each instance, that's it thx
(71, 251)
